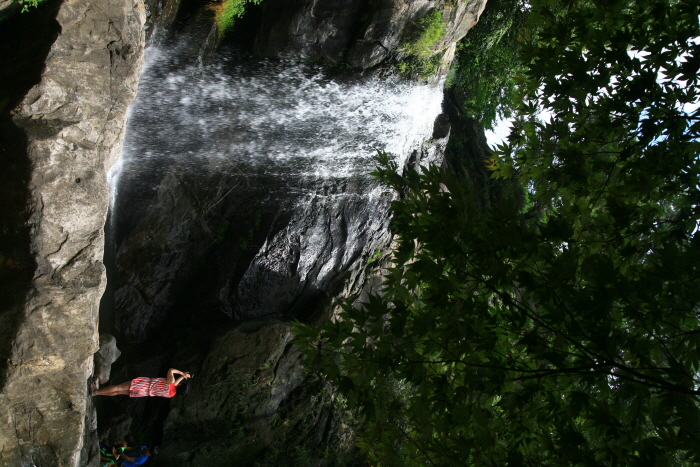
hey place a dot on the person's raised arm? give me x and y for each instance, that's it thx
(170, 379)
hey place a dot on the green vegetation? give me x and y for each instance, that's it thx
(421, 59)
(226, 12)
(482, 83)
(564, 330)
(26, 4)
(411, 65)
(465, 156)
(429, 31)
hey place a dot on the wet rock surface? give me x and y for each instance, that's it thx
(246, 255)
(363, 33)
(72, 123)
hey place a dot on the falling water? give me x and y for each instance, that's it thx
(294, 119)
(302, 135)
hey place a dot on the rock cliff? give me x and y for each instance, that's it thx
(205, 242)
(363, 33)
(201, 255)
(68, 130)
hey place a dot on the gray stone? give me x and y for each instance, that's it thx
(104, 357)
(319, 29)
(251, 397)
(362, 33)
(74, 121)
(108, 348)
(441, 127)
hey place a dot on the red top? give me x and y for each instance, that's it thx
(154, 387)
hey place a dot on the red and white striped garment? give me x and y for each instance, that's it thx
(154, 387)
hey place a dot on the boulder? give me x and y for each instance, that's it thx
(104, 357)
(117, 429)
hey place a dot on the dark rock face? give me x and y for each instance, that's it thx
(318, 29)
(274, 262)
(253, 394)
(73, 121)
(363, 32)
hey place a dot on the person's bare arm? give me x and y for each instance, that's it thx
(171, 376)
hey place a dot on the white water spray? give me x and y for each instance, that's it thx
(277, 116)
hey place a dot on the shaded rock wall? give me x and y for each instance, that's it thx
(363, 32)
(252, 400)
(73, 121)
(220, 245)
(253, 404)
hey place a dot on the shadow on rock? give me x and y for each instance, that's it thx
(25, 40)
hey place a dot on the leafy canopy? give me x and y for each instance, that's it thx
(482, 83)
(566, 334)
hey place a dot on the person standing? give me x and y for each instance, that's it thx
(149, 387)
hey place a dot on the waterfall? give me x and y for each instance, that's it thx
(290, 117)
(266, 162)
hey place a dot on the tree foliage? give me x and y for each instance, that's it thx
(26, 4)
(570, 337)
(487, 62)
